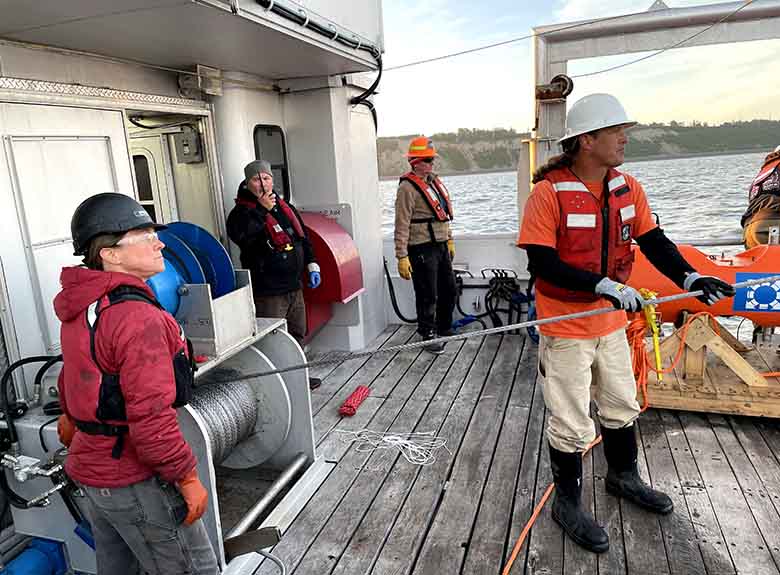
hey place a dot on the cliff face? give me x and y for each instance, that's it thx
(485, 150)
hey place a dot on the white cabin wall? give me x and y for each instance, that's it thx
(236, 113)
(54, 65)
(332, 149)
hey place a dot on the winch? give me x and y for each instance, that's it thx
(262, 423)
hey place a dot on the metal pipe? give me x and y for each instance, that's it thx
(276, 487)
(660, 19)
(733, 241)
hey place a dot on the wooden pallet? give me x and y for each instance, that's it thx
(716, 374)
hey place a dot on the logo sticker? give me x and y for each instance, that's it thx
(758, 297)
(625, 232)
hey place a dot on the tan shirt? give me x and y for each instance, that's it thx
(410, 205)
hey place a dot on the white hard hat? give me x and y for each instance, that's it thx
(594, 112)
(777, 149)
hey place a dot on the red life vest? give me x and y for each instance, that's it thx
(593, 235)
(443, 213)
(769, 171)
(280, 239)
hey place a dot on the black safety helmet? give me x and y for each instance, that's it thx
(108, 213)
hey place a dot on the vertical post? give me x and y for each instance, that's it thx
(549, 121)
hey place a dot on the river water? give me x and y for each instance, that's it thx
(700, 197)
(693, 197)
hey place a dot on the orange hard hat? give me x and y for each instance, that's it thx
(421, 147)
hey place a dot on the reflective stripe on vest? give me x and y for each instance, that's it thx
(585, 240)
(442, 213)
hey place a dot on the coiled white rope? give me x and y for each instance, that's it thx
(418, 448)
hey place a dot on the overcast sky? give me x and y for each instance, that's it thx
(492, 88)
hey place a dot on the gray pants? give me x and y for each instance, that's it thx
(289, 306)
(139, 529)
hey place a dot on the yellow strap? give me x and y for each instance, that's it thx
(651, 317)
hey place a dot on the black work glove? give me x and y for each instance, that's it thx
(715, 289)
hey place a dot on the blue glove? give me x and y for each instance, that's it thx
(314, 280)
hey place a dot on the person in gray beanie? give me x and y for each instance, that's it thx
(275, 248)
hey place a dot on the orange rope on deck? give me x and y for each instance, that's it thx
(642, 364)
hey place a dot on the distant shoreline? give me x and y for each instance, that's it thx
(633, 159)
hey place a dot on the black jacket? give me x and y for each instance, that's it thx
(273, 272)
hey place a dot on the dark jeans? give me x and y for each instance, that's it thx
(434, 287)
(139, 529)
(289, 306)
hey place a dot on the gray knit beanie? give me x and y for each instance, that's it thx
(257, 167)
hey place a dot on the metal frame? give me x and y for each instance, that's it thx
(653, 30)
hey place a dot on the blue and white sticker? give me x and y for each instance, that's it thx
(758, 297)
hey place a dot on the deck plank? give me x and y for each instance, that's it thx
(353, 372)
(485, 553)
(315, 514)
(335, 374)
(378, 514)
(525, 489)
(546, 539)
(406, 537)
(682, 548)
(645, 551)
(390, 367)
(369, 537)
(715, 552)
(416, 391)
(445, 544)
(764, 512)
(760, 455)
(607, 513)
(732, 510)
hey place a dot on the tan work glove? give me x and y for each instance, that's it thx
(194, 494)
(405, 268)
(451, 249)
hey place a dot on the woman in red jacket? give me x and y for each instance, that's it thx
(125, 369)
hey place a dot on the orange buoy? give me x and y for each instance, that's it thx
(759, 303)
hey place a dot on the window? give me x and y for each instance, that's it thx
(143, 179)
(270, 146)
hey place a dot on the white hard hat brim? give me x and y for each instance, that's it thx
(626, 125)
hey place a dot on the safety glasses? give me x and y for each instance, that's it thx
(146, 237)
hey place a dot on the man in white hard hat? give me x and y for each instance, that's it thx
(577, 229)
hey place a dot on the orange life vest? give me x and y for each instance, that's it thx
(593, 235)
(443, 213)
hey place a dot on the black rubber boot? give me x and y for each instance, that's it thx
(567, 509)
(623, 478)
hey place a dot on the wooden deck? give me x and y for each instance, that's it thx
(378, 514)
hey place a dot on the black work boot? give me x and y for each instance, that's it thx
(434, 348)
(622, 476)
(567, 509)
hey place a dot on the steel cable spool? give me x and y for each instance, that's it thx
(229, 411)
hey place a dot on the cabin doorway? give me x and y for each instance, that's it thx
(170, 168)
